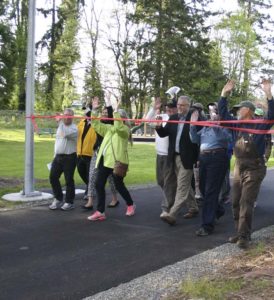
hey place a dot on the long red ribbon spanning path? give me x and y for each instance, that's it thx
(199, 123)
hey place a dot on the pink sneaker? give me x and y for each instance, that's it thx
(97, 216)
(131, 210)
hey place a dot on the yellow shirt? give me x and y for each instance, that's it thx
(85, 147)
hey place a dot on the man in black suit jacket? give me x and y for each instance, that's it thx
(182, 154)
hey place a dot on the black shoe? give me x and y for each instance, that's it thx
(219, 215)
(113, 205)
(87, 207)
(202, 232)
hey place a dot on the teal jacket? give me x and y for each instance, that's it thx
(116, 134)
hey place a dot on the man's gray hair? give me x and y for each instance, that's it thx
(69, 111)
(184, 98)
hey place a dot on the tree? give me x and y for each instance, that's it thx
(7, 54)
(179, 49)
(19, 21)
(243, 44)
(92, 86)
(63, 51)
(120, 44)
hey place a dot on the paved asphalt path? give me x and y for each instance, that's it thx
(60, 255)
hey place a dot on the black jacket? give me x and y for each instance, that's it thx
(188, 150)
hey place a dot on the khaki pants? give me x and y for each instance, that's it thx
(184, 192)
(248, 176)
(166, 179)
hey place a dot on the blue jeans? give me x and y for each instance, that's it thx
(213, 167)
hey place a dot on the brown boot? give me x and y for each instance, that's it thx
(191, 214)
(243, 243)
(233, 239)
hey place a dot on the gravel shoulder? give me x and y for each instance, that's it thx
(166, 281)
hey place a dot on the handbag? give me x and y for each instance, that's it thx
(120, 169)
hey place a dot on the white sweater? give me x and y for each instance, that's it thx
(161, 144)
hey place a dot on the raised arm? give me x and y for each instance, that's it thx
(222, 104)
(193, 134)
(266, 87)
(69, 132)
(98, 126)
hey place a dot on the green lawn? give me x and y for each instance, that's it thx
(141, 156)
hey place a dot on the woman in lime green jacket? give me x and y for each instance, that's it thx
(114, 147)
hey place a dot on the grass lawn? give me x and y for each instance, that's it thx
(141, 156)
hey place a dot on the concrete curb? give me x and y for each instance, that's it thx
(39, 202)
(165, 281)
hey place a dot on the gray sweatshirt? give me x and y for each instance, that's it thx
(66, 139)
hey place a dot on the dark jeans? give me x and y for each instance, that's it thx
(213, 167)
(63, 163)
(225, 189)
(83, 163)
(102, 175)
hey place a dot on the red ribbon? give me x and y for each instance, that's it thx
(199, 123)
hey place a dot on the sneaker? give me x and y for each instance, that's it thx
(168, 219)
(55, 204)
(131, 210)
(67, 206)
(163, 214)
(202, 232)
(97, 216)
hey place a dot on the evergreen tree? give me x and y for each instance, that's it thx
(178, 48)
(61, 42)
(7, 55)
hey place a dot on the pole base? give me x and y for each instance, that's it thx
(35, 196)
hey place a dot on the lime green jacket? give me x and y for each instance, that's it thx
(116, 134)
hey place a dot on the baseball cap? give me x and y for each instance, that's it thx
(198, 105)
(247, 104)
(259, 112)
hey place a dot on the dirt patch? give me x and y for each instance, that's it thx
(9, 182)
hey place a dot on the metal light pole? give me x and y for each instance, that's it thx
(29, 142)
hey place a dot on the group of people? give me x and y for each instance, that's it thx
(93, 147)
(184, 143)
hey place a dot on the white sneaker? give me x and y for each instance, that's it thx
(55, 204)
(67, 206)
(163, 214)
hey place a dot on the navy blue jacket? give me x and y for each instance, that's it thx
(258, 139)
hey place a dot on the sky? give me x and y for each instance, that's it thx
(105, 58)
